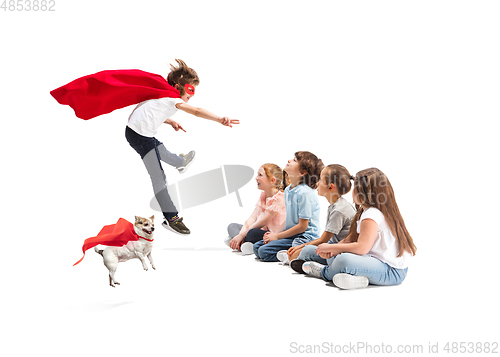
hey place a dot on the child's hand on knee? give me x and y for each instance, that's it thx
(235, 243)
(294, 250)
(268, 237)
(323, 252)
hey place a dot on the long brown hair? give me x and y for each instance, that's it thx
(181, 75)
(373, 189)
(273, 170)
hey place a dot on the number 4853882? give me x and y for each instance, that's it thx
(28, 5)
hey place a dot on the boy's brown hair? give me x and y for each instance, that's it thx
(340, 177)
(182, 74)
(310, 166)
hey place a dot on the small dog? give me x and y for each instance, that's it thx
(140, 249)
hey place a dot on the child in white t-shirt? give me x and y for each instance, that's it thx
(378, 247)
(143, 125)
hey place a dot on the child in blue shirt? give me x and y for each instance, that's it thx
(302, 208)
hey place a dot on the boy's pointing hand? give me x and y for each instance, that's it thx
(229, 122)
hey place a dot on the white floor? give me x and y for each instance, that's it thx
(203, 298)
(410, 88)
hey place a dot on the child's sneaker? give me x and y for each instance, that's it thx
(348, 281)
(227, 240)
(296, 265)
(282, 256)
(246, 248)
(313, 269)
(176, 226)
(188, 159)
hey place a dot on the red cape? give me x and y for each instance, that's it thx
(105, 91)
(115, 235)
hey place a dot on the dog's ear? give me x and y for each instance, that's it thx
(136, 219)
(152, 218)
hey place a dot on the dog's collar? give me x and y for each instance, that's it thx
(149, 240)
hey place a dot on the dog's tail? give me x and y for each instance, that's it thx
(97, 250)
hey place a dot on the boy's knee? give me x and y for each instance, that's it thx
(307, 252)
(256, 248)
(267, 254)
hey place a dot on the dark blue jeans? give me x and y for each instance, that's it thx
(253, 235)
(267, 252)
(152, 152)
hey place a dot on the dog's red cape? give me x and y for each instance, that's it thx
(105, 91)
(115, 235)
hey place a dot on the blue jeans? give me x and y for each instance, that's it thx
(152, 152)
(308, 253)
(267, 252)
(377, 272)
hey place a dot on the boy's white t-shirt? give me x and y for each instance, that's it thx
(149, 115)
(386, 247)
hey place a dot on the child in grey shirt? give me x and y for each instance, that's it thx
(334, 183)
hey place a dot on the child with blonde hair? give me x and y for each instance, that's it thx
(378, 248)
(302, 208)
(269, 213)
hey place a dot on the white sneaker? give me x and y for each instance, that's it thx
(348, 281)
(313, 269)
(188, 159)
(246, 248)
(283, 257)
(227, 240)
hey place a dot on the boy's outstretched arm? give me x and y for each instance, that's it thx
(205, 114)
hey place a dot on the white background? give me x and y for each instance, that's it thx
(410, 87)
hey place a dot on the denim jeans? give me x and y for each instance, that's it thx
(253, 235)
(377, 272)
(267, 252)
(152, 152)
(308, 253)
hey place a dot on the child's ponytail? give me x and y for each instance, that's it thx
(281, 177)
(286, 181)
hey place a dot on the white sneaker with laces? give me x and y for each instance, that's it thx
(313, 269)
(348, 281)
(282, 256)
(227, 240)
(246, 248)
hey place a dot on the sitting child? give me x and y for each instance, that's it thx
(333, 184)
(302, 208)
(269, 213)
(378, 247)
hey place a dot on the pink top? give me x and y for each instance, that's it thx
(275, 204)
